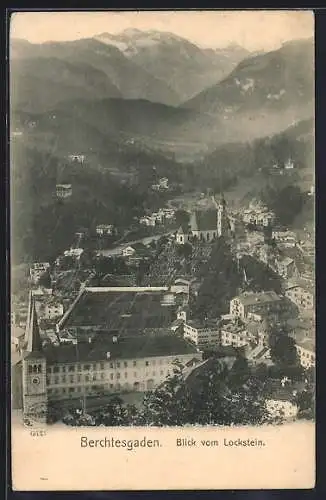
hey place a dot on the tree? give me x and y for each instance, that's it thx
(45, 280)
(184, 251)
(209, 396)
(282, 349)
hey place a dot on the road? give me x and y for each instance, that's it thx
(118, 250)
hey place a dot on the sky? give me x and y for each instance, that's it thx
(254, 30)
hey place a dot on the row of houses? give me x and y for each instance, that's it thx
(159, 217)
(245, 326)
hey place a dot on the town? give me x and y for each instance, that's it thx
(116, 317)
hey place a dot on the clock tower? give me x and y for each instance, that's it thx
(34, 371)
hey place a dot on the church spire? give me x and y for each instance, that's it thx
(32, 334)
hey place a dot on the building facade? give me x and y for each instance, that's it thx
(202, 335)
(301, 296)
(262, 303)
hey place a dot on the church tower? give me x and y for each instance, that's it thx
(222, 219)
(34, 371)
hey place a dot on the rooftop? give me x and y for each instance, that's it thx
(204, 220)
(125, 348)
(307, 343)
(251, 298)
(120, 308)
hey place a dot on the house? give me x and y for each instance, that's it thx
(258, 216)
(261, 303)
(37, 270)
(147, 221)
(289, 165)
(204, 334)
(301, 294)
(306, 352)
(53, 310)
(286, 267)
(281, 406)
(163, 183)
(183, 313)
(77, 158)
(73, 252)
(235, 335)
(104, 229)
(285, 238)
(128, 251)
(63, 190)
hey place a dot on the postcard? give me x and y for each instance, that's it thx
(162, 250)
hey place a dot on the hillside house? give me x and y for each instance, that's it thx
(37, 270)
(286, 267)
(302, 295)
(204, 334)
(306, 352)
(104, 229)
(77, 158)
(63, 191)
(262, 303)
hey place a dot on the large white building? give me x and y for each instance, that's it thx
(306, 352)
(302, 295)
(135, 353)
(249, 303)
(201, 334)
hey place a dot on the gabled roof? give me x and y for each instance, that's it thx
(204, 220)
(258, 298)
(32, 333)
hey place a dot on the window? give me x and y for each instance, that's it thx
(126, 374)
(71, 379)
(63, 379)
(162, 372)
(134, 363)
(118, 375)
(125, 364)
(30, 369)
(146, 363)
(64, 390)
(102, 366)
(118, 364)
(111, 386)
(87, 367)
(102, 376)
(111, 376)
(94, 366)
(48, 370)
(71, 389)
(50, 391)
(86, 378)
(71, 368)
(94, 377)
(78, 378)
(64, 369)
(56, 380)
(111, 365)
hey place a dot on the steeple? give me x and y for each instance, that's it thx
(32, 333)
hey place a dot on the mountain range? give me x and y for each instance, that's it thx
(134, 88)
(159, 67)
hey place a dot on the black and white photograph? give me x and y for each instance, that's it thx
(162, 223)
